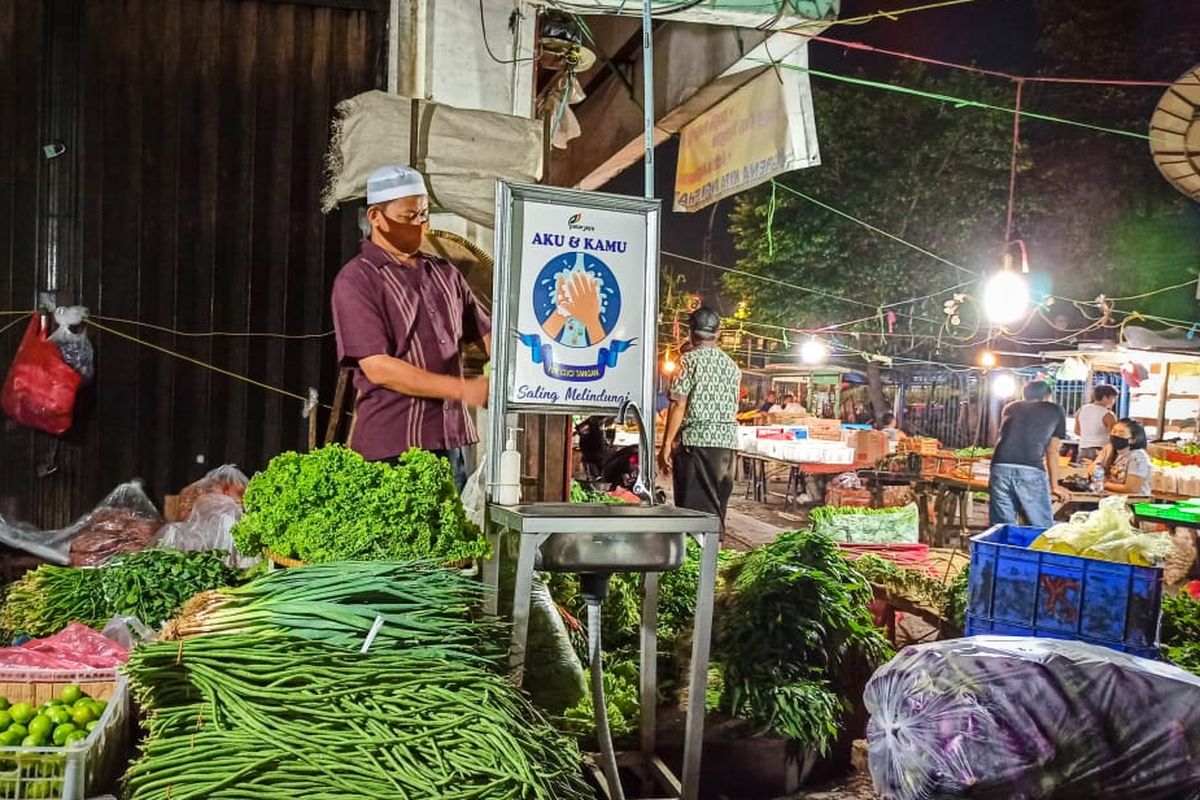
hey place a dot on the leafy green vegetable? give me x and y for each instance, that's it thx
(974, 452)
(620, 700)
(795, 637)
(1180, 631)
(947, 599)
(150, 585)
(858, 524)
(331, 505)
(582, 495)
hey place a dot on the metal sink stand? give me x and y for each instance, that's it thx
(535, 524)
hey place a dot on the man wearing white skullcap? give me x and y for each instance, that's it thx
(402, 318)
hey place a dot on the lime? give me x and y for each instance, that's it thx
(21, 712)
(71, 694)
(82, 701)
(18, 729)
(40, 789)
(11, 738)
(33, 741)
(82, 715)
(5, 720)
(53, 701)
(77, 736)
(61, 733)
(4, 703)
(40, 726)
(91, 726)
(58, 715)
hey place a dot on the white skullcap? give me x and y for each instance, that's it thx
(393, 182)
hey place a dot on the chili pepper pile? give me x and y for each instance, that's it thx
(285, 702)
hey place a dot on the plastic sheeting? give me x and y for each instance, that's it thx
(209, 526)
(1032, 719)
(461, 153)
(124, 521)
(74, 647)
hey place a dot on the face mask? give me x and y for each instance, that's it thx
(404, 237)
(1118, 442)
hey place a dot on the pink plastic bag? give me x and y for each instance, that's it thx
(74, 647)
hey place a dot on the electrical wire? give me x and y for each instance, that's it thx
(202, 334)
(982, 71)
(960, 102)
(875, 229)
(487, 46)
(892, 16)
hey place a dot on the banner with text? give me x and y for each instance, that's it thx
(580, 319)
(762, 130)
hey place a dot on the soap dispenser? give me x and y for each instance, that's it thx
(509, 488)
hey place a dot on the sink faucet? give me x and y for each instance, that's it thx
(644, 487)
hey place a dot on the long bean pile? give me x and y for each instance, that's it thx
(267, 695)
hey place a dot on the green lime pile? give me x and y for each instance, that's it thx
(68, 718)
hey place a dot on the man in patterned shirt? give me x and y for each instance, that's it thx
(703, 414)
(401, 318)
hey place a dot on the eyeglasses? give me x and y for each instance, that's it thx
(420, 215)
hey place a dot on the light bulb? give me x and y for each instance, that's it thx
(1005, 297)
(987, 359)
(814, 351)
(1004, 385)
(669, 366)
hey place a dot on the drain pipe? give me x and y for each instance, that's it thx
(594, 588)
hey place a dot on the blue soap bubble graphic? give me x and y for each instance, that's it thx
(577, 300)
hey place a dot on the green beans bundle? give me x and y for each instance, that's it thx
(267, 695)
(416, 604)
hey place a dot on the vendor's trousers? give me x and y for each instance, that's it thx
(1014, 488)
(703, 478)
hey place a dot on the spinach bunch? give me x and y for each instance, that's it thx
(1180, 632)
(152, 585)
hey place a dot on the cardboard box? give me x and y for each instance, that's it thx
(870, 446)
(828, 429)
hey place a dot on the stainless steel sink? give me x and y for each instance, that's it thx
(580, 537)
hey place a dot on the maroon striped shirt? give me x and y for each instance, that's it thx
(422, 314)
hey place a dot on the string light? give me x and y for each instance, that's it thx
(987, 359)
(1005, 296)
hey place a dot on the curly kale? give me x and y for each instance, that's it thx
(331, 504)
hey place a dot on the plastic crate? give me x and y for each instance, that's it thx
(1016, 591)
(1168, 512)
(66, 773)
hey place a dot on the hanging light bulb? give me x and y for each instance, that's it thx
(669, 366)
(1004, 385)
(987, 359)
(1005, 297)
(814, 351)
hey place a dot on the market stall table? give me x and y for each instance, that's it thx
(758, 487)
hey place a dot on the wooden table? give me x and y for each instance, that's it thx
(951, 509)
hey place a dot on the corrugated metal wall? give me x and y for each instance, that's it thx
(202, 128)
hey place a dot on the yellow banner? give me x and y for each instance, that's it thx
(756, 133)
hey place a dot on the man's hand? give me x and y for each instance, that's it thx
(475, 392)
(664, 461)
(1060, 493)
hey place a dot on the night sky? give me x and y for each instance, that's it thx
(997, 34)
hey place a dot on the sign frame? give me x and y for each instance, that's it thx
(511, 201)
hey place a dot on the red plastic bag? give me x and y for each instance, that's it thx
(40, 389)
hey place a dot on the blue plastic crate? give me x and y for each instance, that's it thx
(1016, 591)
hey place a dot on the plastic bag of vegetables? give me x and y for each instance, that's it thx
(1032, 719)
(1106, 534)
(868, 525)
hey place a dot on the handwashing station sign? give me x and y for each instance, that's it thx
(579, 271)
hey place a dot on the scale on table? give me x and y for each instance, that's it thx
(575, 314)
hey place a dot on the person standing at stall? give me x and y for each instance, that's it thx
(401, 318)
(1094, 421)
(704, 402)
(1024, 473)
